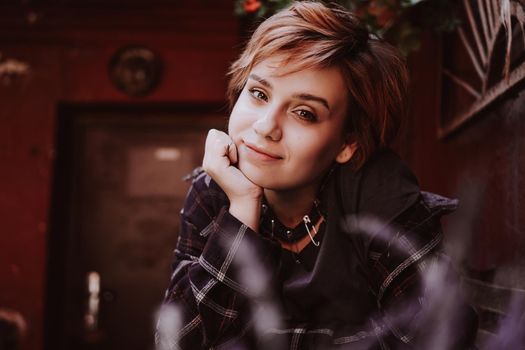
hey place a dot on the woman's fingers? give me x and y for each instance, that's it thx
(216, 152)
(220, 159)
(232, 153)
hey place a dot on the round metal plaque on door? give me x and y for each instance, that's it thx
(135, 70)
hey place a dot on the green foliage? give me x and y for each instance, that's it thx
(399, 21)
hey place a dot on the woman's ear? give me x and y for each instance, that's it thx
(347, 152)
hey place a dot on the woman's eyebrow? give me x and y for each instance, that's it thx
(301, 96)
(260, 80)
(310, 97)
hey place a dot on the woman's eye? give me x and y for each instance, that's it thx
(306, 115)
(258, 94)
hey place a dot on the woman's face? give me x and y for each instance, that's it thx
(288, 127)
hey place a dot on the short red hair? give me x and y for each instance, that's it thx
(312, 35)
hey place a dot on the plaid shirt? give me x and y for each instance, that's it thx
(211, 300)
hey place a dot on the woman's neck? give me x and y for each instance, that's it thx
(291, 206)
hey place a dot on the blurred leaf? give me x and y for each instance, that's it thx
(408, 3)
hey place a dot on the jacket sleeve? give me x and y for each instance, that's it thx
(207, 299)
(416, 286)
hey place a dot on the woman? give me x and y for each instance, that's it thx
(284, 241)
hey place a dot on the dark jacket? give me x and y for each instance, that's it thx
(372, 284)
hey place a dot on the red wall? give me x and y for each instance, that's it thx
(481, 164)
(68, 50)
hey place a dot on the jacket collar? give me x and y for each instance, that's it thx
(384, 187)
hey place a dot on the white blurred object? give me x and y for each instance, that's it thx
(169, 323)
(167, 153)
(11, 68)
(91, 316)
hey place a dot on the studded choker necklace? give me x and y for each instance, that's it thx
(271, 224)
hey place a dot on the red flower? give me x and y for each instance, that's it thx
(384, 11)
(250, 6)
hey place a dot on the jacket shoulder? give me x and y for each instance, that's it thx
(439, 204)
(429, 208)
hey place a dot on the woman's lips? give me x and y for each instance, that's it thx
(261, 153)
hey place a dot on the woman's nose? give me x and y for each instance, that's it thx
(267, 125)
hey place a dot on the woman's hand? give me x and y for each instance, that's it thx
(220, 158)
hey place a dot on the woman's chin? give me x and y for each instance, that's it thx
(258, 176)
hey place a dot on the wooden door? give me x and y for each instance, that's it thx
(116, 228)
